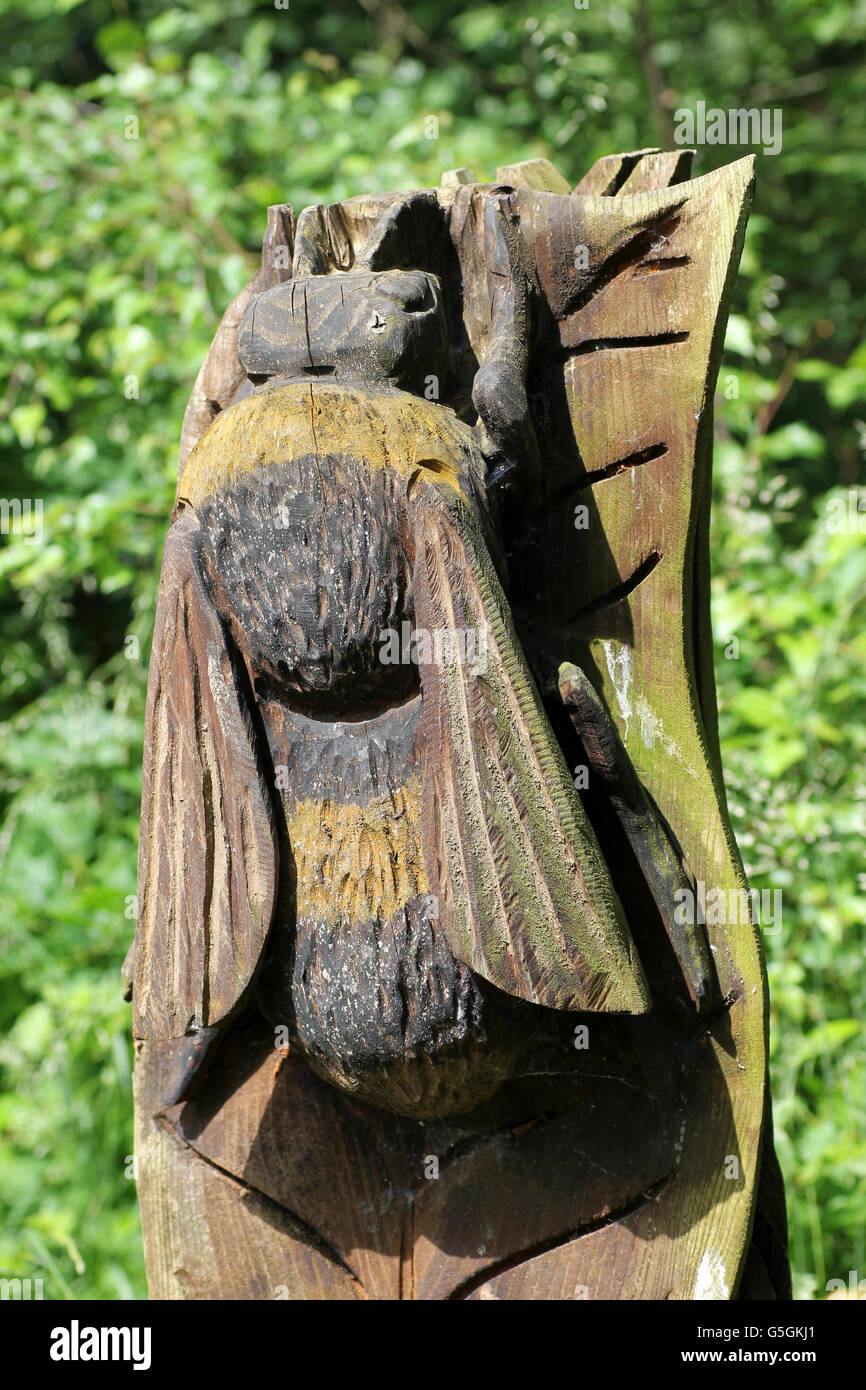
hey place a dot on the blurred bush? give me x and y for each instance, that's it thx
(139, 148)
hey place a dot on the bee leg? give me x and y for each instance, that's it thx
(647, 833)
(188, 1064)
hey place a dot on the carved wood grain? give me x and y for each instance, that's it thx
(601, 1173)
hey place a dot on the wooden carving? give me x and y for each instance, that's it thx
(431, 768)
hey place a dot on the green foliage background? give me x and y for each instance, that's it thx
(118, 257)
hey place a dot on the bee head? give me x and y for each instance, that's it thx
(355, 326)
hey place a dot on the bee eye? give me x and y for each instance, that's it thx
(377, 324)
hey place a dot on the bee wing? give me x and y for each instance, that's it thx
(525, 898)
(208, 853)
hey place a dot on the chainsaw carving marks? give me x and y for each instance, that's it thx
(415, 1018)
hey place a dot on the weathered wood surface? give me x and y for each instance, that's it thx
(478, 1152)
(221, 375)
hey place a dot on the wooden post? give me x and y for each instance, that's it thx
(445, 983)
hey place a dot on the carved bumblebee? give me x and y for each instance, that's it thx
(391, 859)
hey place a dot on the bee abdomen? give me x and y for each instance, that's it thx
(384, 1011)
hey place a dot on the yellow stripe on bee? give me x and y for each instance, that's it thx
(382, 429)
(356, 863)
